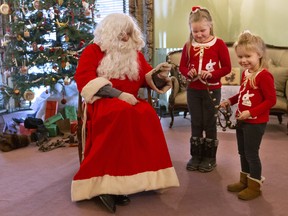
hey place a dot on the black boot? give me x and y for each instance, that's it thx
(109, 202)
(121, 200)
(196, 148)
(209, 160)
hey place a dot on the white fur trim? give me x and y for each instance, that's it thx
(92, 87)
(88, 188)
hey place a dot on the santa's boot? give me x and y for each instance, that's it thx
(239, 186)
(253, 189)
(208, 162)
(196, 148)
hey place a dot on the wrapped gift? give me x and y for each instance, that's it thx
(51, 109)
(52, 130)
(25, 131)
(53, 119)
(70, 113)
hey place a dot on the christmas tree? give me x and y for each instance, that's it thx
(43, 41)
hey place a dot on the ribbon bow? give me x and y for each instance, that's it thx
(195, 9)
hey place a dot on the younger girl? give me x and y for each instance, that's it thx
(255, 98)
(205, 59)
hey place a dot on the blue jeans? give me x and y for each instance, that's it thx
(249, 138)
(202, 111)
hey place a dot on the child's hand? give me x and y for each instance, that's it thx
(244, 115)
(225, 103)
(192, 73)
(205, 74)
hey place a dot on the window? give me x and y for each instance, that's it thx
(105, 7)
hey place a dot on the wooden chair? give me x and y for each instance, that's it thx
(178, 97)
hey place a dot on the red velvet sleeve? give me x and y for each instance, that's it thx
(87, 65)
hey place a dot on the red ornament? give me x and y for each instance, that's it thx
(63, 101)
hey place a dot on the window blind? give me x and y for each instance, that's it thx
(105, 7)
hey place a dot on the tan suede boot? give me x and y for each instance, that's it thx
(239, 186)
(253, 189)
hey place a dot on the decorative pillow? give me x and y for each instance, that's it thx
(280, 75)
(233, 78)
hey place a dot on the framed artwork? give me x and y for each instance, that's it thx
(233, 78)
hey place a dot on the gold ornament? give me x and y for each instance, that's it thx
(60, 2)
(26, 34)
(36, 4)
(4, 8)
(16, 91)
(29, 95)
(67, 38)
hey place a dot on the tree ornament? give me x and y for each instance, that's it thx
(55, 68)
(19, 37)
(60, 2)
(26, 33)
(66, 38)
(16, 91)
(28, 95)
(34, 47)
(36, 4)
(4, 8)
(24, 70)
(41, 48)
(63, 64)
(67, 80)
(63, 101)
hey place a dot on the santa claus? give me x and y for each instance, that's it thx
(125, 151)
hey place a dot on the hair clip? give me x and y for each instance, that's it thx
(195, 9)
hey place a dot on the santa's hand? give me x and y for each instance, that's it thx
(129, 98)
(163, 70)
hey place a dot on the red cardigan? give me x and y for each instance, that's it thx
(215, 59)
(258, 101)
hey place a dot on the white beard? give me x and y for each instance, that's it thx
(120, 62)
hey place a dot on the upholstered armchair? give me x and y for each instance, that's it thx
(177, 99)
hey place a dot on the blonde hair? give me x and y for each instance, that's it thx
(197, 16)
(253, 43)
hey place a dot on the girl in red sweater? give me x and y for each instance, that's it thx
(205, 59)
(255, 98)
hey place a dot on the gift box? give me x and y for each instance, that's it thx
(25, 131)
(51, 109)
(52, 130)
(70, 113)
(53, 119)
(73, 126)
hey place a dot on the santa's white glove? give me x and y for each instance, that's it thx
(129, 98)
(162, 70)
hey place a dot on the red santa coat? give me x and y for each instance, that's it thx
(125, 148)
